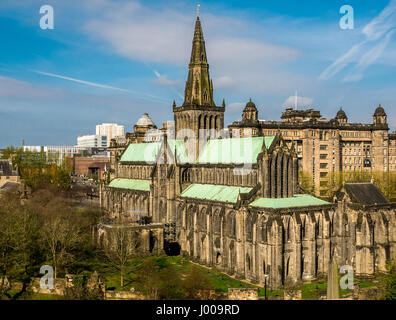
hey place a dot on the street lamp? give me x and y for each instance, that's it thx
(265, 285)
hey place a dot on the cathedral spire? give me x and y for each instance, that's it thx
(199, 88)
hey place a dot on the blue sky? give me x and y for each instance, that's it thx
(112, 60)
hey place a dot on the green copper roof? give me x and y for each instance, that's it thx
(228, 151)
(214, 192)
(147, 152)
(141, 152)
(235, 150)
(181, 151)
(131, 184)
(299, 200)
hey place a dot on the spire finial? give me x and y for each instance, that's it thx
(198, 6)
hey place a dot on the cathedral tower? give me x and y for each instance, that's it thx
(198, 118)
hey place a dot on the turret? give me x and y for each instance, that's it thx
(250, 113)
(379, 116)
(341, 116)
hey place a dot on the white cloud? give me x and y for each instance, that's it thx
(368, 59)
(239, 50)
(224, 82)
(301, 102)
(235, 106)
(137, 32)
(13, 88)
(381, 24)
(164, 36)
(163, 81)
(98, 85)
(367, 51)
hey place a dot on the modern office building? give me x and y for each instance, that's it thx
(57, 153)
(92, 141)
(110, 130)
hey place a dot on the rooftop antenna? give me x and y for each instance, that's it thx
(198, 6)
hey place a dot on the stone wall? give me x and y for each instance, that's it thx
(288, 246)
(242, 294)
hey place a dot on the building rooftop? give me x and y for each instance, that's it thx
(212, 192)
(130, 184)
(147, 152)
(145, 120)
(299, 200)
(234, 151)
(365, 194)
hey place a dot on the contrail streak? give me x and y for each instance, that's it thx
(103, 86)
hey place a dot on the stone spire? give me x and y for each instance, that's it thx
(199, 88)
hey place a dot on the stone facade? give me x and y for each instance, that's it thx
(325, 146)
(242, 212)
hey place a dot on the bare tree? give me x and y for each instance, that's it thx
(196, 284)
(122, 245)
(62, 235)
(150, 280)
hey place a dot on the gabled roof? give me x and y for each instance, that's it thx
(299, 200)
(147, 152)
(226, 151)
(234, 150)
(214, 192)
(141, 152)
(179, 147)
(130, 184)
(365, 194)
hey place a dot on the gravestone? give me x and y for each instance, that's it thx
(332, 280)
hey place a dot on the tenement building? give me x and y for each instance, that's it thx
(234, 203)
(326, 146)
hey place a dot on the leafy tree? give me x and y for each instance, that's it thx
(306, 181)
(390, 289)
(12, 153)
(19, 242)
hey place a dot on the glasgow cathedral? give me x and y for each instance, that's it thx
(235, 203)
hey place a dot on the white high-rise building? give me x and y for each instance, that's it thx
(110, 130)
(92, 141)
(56, 154)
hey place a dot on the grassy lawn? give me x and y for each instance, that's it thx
(310, 290)
(176, 264)
(35, 296)
(218, 281)
(111, 276)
